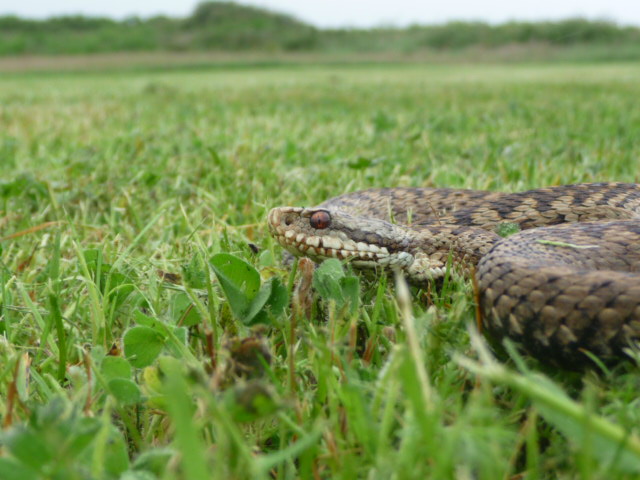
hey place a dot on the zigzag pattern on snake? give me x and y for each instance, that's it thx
(566, 284)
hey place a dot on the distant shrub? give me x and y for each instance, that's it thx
(229, 26)
(226, 25)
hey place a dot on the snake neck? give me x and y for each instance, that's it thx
(435, 247)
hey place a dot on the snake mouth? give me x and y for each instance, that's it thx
(330, 247)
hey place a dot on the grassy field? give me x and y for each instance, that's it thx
(126, 352)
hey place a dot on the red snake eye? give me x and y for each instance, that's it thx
(320, 220)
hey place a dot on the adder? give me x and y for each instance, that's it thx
(568, 283)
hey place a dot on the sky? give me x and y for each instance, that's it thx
(351, 13)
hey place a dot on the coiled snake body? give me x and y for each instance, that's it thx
(566, 284)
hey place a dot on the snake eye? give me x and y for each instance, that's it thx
(320, 220)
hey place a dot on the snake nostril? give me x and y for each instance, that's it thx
(288, 220)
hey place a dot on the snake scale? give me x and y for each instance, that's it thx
(567, 283)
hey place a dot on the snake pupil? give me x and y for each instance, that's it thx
(320, 220)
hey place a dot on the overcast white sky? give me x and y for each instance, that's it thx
(361, 13)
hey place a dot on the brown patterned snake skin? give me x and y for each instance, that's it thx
(557, 290)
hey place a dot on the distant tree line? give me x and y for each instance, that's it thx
(233, 27)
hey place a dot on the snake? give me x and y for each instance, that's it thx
(565, 286)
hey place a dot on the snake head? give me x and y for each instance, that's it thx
(321, 233)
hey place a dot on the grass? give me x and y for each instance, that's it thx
(531, 53)
(124, 355)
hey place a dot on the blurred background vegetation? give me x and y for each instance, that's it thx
(231, 27)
